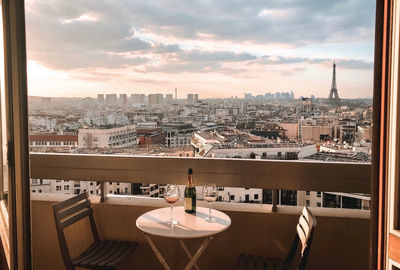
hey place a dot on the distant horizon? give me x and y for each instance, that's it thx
(214, 48)
(181, 98)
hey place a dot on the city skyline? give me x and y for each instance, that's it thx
(217, 50)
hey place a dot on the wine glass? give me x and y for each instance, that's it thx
(210, 195)
(171, 196)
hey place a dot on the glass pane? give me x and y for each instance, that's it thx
(244, 80)
(157, 78)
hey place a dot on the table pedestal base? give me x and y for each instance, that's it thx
(192, 259)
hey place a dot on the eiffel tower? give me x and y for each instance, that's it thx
(333, 95)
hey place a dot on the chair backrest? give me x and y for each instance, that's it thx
(305, 232)
(69, 212)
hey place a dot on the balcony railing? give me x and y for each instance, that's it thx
(341, 240)
(266, 174)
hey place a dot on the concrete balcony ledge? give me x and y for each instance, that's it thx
(340, 242)
(222, 206)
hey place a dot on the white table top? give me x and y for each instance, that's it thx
(156, 222)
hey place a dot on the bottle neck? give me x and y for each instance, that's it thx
(190, 181)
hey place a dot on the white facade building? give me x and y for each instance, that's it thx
(68, 187)
(52, 142)
(119, 137)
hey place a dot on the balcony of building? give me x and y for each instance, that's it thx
(341, 239)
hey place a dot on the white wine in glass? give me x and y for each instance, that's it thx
(210, 193)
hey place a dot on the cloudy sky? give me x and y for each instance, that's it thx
(217, 48)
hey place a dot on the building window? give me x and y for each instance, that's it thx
(307, 203)
(318, 204)
(307, 192)
(66, 187)
(319, 194)
(58, 187)
(232, 198)
(255, 196)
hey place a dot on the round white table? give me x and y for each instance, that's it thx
(189, 226)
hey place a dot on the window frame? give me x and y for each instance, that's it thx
(22, 214)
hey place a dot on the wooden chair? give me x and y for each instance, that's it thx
(100, 254)
(305, 232)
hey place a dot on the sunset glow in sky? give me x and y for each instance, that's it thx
(217, 48)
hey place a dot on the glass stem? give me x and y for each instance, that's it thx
(209, 210)
(172, 220)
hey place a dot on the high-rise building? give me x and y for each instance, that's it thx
(196, 98)
(138, 98)
(168, 98)
(156, 99)
(100, 98)
(189, 99)
(111, 99)
(176, 93)
(123, 99)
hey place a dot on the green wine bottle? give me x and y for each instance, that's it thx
(190, 194)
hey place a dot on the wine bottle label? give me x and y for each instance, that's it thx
(188, 203)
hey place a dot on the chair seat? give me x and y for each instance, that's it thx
(249, 262)
(104, 254)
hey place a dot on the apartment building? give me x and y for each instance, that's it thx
(321, 133)
(156, 99)
(111, 99)
(68, 187)
(71, 187)
(52, 142)
(107, 137)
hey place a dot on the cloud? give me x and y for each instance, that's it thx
(78, 34)
(342, 62)
(219, 56)
(258, 21)
(162, 48)
(355, 64)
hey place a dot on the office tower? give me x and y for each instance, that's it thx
(100, 98)
(168, 98)
(196, 98)
(189, 99)
(156, 99)
(111, 99)
(123, 100)
(138, 98)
